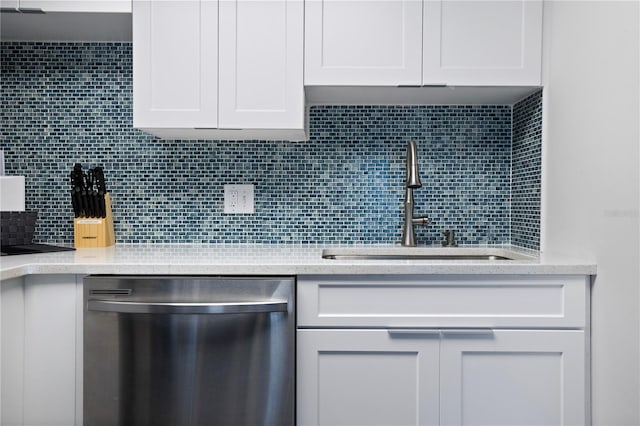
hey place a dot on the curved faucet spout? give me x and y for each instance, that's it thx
(413, 175)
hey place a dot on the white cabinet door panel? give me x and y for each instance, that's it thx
(175, 63)
(12, 354)
(482, 42)
(40, 364)
(366, 377)
(513, 378)
(50, 350)
(363, 42)
(492, 301)
(261, 54)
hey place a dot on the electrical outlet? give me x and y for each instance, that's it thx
(238, 199)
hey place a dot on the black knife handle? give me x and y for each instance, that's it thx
(102, 206)
(76, 203)
(92, 204)
(85, 203)
(101, 184)
(96, 204)
(76, 188)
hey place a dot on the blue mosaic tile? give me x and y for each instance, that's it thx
(526, 164)
(63, 103)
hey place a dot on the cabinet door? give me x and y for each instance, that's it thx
(89, 6)
(482, 42)
(363, 42)
(50, 350)
(9, 4)
(367, 377)
(175, 63)
(513, 378)
(261, 64)
(12, 351)
(39, 350)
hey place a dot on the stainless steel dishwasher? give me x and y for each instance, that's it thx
(189, 351)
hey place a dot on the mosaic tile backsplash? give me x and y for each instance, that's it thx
(64, 103)
(526, 164)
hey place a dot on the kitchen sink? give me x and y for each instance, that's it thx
(422, 253)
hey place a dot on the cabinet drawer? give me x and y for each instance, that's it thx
(496, 301)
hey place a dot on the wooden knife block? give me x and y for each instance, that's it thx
(95, 231)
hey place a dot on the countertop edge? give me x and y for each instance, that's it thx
(266, 260)
(359, 269)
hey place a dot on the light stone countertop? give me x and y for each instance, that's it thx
(265, 259)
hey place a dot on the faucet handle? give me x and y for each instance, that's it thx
(450, 238)
(421, 221)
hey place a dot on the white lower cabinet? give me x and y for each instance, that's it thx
(367, 377)
(371, 350)
(40, 376)
(512, 377)
(410, 371)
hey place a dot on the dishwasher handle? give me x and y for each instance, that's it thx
(186, 308)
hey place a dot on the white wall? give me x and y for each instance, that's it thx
(591, 192)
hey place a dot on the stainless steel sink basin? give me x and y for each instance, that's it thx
(422, 253)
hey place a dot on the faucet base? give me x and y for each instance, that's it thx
(408, 232)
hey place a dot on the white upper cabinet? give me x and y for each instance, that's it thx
(9, 4)
(480, 42)
(204, 69)
(429, 42)
(89, 6)
(175, 64)
(66, 20)
(261, 64)
(363, 42)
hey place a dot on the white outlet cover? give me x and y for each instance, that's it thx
(239, 199)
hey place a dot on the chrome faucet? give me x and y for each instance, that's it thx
(412, 182)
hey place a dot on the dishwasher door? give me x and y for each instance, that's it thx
(189, 351)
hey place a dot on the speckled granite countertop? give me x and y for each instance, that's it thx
(197, 259)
